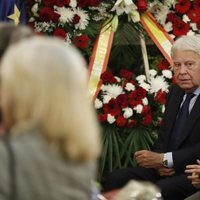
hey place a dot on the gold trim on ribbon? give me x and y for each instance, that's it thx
(160, 37)
(99, 59)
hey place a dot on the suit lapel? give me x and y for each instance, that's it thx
(194, 115)
(173, 108)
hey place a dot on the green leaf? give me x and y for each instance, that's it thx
(110, 152)
(116, 150)
(103, 157)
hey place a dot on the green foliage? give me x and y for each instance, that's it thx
(119, 146)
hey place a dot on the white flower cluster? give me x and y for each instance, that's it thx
(128, 7)
(155, 82)
(161, 9)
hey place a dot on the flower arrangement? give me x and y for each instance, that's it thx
(130, 109)
(79, 21)
(178, 17)
(76, 21)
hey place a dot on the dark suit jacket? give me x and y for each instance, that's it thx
(188, 150)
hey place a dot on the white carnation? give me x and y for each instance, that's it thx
(113, 90)
(152, 72)
(32, 19)
(106, 98)
(138, 108)
(145, 101)
(111, 119)
(172, 36)
(167, 73)
(73, 3)
(84, 19)
(186, 18)
(190, 32)
(34, 9)
(128, 112)
(103, 87)
(146, 86)
(117, 78)
(141, 78)
(163, 108)
(193, 26)
(98, 103)
(130, 87)
(66, 14)
(158, 83)
(168, 26)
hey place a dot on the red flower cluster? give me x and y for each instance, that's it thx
(71, 21)
(122, 102)
(142, 5)
(188, 8)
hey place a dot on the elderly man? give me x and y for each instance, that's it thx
(178, 142)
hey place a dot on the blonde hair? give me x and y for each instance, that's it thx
(44, 84)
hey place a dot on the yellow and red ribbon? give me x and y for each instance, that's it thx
(99, 59)
(160, 37)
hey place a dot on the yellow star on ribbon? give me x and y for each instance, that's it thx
(15, 16)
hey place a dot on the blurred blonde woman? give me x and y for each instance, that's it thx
(9, 34)
(54, 135)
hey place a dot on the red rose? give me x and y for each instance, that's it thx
(112, 107)
(180, 28)
(147, 119)
(142, 5)
(145, 110)
(76, 19)
(128, 81)
(198, 25)
(138, 101)
(93, 3)
(132, 103)
(61, 3)
(140, 93)
(47, 14)
(196, 4)
(59, 32)
(163, 64)
(126, 74)
(132, 95)
(82, 3)
(102, 117)
(182, 6)
(172, 17)
(107, 77)
(55, 17)
(161, 97)
(194, 15)
(48, 2)
(131, 123)
(81, 41)
(122, 100)
(121, 121)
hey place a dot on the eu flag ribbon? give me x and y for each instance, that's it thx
(12, 11)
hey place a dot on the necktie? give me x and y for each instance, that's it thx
(180, 122)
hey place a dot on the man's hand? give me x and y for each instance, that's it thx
(149, 159)
(164, 171)
(194, 176)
